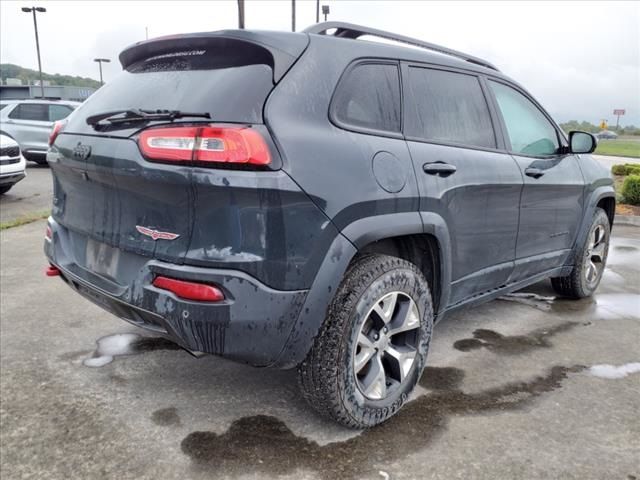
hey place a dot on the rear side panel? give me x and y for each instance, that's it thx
(262, 224)
(335, 166)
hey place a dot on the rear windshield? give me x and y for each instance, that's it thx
(219, 83)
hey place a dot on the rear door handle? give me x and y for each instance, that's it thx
(533, 172)
(439, 168)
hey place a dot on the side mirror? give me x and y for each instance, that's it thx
(582, 142)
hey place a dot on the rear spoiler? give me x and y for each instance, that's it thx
(279, 49)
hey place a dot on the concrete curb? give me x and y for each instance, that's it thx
(632, 220)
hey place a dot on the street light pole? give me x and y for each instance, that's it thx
(241, 14)
(293, 15)
(100, 60)
(35, 27)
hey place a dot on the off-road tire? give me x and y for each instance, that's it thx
(575, 284)
(327, 377)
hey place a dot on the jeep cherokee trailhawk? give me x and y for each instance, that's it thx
(319, 201)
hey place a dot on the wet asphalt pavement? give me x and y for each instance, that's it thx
(30, 195)
(510, 392)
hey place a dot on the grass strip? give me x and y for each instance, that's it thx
(24, 219)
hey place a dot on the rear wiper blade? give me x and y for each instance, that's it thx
(138, 115)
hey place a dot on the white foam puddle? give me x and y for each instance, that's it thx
(613, 371)
(612, 278)
(623, 252)
(97, 361)
(111, 346)
(540, 302)
(613, 305)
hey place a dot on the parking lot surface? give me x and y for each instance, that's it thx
(529, 386)
(30, 195)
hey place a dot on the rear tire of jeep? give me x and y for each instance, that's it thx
(590, 261)
(371, 349)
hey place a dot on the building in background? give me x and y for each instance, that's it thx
(51, 92)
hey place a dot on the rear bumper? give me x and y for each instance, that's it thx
(11, 173)
(251, 325)
(11, 178)
(34, 154)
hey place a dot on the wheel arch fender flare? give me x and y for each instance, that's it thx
(590, 206)
(343, 249)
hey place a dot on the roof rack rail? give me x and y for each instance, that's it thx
(350, 30)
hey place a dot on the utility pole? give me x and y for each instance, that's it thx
(317, 11)
(293, 15)
(100, 60)
(618, 112)
(35, 27)
(146, 33)
(241, 14)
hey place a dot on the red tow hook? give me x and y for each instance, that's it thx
(52, 271)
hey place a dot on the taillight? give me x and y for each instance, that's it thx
(57, 128)
(48, 233)
(209, 144)
(189, 290)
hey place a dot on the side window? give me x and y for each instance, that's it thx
(369, 96)
(449, 107)
(529, 130)
(31, 111)
(58, 112)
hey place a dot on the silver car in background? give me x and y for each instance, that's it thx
(29, 122)
(606, 135)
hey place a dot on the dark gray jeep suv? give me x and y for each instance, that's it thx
(318, 201)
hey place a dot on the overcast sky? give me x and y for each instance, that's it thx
(580, 59)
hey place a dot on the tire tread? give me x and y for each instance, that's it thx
(318, 373)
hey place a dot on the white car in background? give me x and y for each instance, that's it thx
(12, 164)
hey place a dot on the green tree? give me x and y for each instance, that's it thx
(29, 77)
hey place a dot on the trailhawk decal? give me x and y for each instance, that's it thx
(155, 234)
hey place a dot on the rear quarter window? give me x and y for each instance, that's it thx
(368, 97)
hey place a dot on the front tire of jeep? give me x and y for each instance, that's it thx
(590, 261)
(371, 349)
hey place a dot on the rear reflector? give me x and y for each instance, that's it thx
(51, 271)
(48, 233)
(189, 290)
(210, 144)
